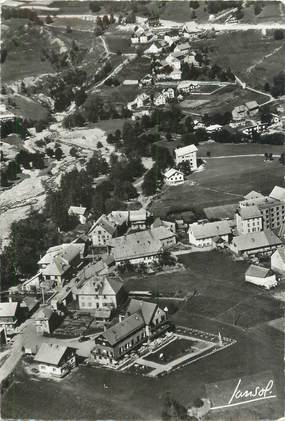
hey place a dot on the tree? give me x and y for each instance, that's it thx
(68, 29)
(172, 409)
(194, 4)
(257, 7)
(50, 152)
(97, 165)
(38, 161)
(58, 153)
(208, 154)
(12, 170)
(266, 156)
(152, 181)
(4, 182)
(112, 19)
(184, 167)
(49, 20)
(73, 152)
(168, 137)
(166, 258)
(93, 107)
(4, 53)
(282, 158)
(94, 6)
(278, 34)
(105, 21)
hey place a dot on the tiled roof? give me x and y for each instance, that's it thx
(251, 105)
(77, 210)
(171, 172)
(256, 240)
(281, 251)
(185, 150)
(123, 329)
(210, 229)
(253, 195)
(258, 271)
(249, 212)
(50, 353)
(57, 268)
(139, 244)
(278, 193)
(67, 251)
(147, 309)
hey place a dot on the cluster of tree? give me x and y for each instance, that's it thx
(112, 81)
(278, 34)
(56, 153)
(217, 6)
(3, 54)
(206, 71)
(268, 156)
(194, 4)
(20, 13)
(102, 23)
(278, 87)
(30, 237)
(14, 126)
(97, 165)
(172, 410)
(10, 173)
(30, 160)
(217, 118)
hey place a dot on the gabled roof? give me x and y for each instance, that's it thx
(253, 195)
(123, 329)
(210, 229)
(278, 193)
(185, 150)
(171, 172)
(57, 268)
(256, 240)
(147, 309)
(258, 271)
(138, 215)
(131, 246)
(161, 233)
(67, 251)
(44, 313)
(251, 105)
(51, 353)
(8, 309)
(108, 285)
(77, 210)
(249, 212)
(281, 251)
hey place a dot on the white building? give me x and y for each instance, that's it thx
(55, 360)
(80, 212)
(278, 260)
(248, 219)
(173, 177)
(187, 153)
(139, 102)
(261, 276)
(153, 49)
(159, 99)
(206, 234)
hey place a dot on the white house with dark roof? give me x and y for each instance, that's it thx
(172, 177)
(248, 219)
(252, 108)
(278, 260)
(187, 153)
(55, 360)
(205, 234)
(79, 212)
(102, 231)
(260, 242)
(260, 276)
(10, 314)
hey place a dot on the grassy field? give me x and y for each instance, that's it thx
(136, 69)
(219, 149)
(119, 95)
(223, 100)
(82, 394)
(24, 53)
(223, 181)
(119, 41)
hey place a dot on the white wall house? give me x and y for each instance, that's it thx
(55, 360)
(187, 153)
(248, 219)
(173, 177)
(278, 260)
(159, 99)
(207, 233)
(261, 276)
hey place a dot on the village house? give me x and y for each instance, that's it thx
(175, 74)
(102, 231)
(272, 207)
(159, 99)
(153, 49)
(255, 128)
(252, 108)
(55, 360)
(173, 61)
(46, 320)
(79, 212)
(183, 48)
(138, 219)
(248, 219)
(153, 21)
(139, 102)
(185, 86)
(141, 247)
(59, 262)
(239, 113)
(206, 234)
(260, 276)
(169, 93)
(173, 177)
(10, 316)
(143, 320)
(146, 80)
(278, 260)
(187, 153)
(260, 242)
(171, 226)
(101, 295)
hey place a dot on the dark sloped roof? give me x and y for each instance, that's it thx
(123, 329)
(147, 309)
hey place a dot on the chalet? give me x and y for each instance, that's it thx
(278, 193)
(161, 223)
(278, 260)
(55, 360)
(146, 80)
(10, 316)
(252, 108)
(46, 320)
(185, 86)
(168, 93)
(261, 276)
(102, 231)
(173, 61)
(101, 293)
(153, 21)
(173, 177)
(171, 38)
(260, 242)
(79, 212)
(138, 219)
(143, 320)
(248, 219)
(159, 99)
(239, 113)
(206, 234)
(153, 49)
(141, 247)
(213, 128)
(139, 102)
(182, 48)
(255, 128)
(59, 262)
(187, 153)
(146, 37)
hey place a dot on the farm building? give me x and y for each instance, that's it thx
(187, 153)
(55, 360)
(261, 276)
(173, 177)
(278, 260)
(260, 242)
(206, 234)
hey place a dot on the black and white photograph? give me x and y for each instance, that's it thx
(142, 210)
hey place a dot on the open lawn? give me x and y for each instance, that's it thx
(136, 69)
(172, 351)
(222, 181)
(224, 149)
(130, 397)
(225, 99)
(119, 42)
(24, 58)
(119, 95)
